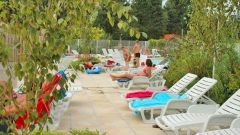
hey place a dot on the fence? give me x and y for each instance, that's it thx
(10, 40)
(95, 47)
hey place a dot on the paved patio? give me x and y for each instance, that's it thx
(99, 107)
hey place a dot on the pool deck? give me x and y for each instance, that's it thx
(99, 106)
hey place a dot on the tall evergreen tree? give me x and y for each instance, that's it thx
(177, 15)
(151, 18)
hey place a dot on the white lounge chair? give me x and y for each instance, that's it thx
(116, 50)
(75, 52)
(111, 52)
(105, 53)
(117, 57)
(143, 58)
(175, 89)
(233, 130)
(119, 53)
(143, 82)
(155, 53)
(198, 115)
(192, 96)
(157, 79)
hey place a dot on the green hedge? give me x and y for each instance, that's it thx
(71, 132)
(157, 44)
(85, 132)
(194, 59)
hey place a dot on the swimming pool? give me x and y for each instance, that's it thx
(156, 61)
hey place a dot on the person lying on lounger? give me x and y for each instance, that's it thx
(147, 71)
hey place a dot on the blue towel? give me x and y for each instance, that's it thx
(160, 99)
(62, 73)
(63, 92)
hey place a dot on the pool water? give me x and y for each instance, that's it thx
(156, 61)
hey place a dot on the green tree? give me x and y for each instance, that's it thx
(151, 17)
(44, 29)
(209, 48)
(102, 22)
(177, 11)
(113, 32)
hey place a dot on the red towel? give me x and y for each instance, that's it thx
(43, 107)
(140, 94)
(88, 66)
(110, 62)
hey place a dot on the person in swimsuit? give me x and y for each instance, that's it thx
(136, 51)
(147, 71)
(127, 57)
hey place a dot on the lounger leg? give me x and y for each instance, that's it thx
(176, 132)
(188, 131)
(151, 120)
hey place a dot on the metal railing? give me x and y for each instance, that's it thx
(97, 45)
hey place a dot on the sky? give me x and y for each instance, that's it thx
(163, 2)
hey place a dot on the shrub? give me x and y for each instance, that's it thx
(84, 60)
(95, 60)
(48, 133)
(189, 57)
(72, 132)
(185, 59)
(157, 44)
(85, 132)
(228, 76)
(75, 65)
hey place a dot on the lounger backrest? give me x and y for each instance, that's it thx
(116, 50)
(155, 52)
(111, 51)
(232, 105)
(200, 88)
(105, 51)
(119, 53)
(158, 74)
(157, 71)
(182, 83)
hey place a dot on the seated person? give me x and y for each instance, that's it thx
(11, 109)
(20, 101)
(42, 106)
(147, 71)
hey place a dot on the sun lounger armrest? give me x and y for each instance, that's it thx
(155, 89)
(236, 123)
(176, 104)
(140, 79)
(218, 120)
(201, 108)
(135, 71)
(157, 92)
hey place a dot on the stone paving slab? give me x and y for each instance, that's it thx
(99, 107)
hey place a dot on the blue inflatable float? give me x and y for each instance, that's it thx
(94, 71)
